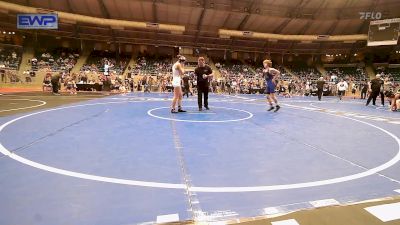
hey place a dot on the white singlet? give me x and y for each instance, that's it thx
(176, 77)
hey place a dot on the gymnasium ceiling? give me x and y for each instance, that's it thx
(203, 18)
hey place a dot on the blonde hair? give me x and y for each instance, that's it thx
(181, 58)
(268, 62)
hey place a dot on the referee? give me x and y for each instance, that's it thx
(203, 73)
(56, 83)
(320, 87)
(374, 89)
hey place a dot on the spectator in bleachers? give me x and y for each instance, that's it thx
(150, 83)
(57, 60)
(364, 89)
(353, 90)
(131, 84)
(25, 73)
(13, 77)
(143, 84)
(186, 86)
(71, 84)
(291, 87)
(107, 66)
(385, 86)
(3, 73)
(27, 76)
(10, 56)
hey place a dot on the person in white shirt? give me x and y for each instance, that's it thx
(333, 78)
(106, 68)
(234, 84)
(342, 87)
(307, 87)
(177, 73)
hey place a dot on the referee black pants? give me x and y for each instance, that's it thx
(319, 93)
(202, 90)
(55, 86)
(372, 96)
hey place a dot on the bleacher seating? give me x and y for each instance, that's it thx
(241, 75)
(305, 72)
(97, 60)
(356, 74)
(393, 73)
(57, 60)
(233, 69)
(153, 66)
(10, 56)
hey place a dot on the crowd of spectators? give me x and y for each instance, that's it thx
(10, 60)
(150, 65)
(56, 60)
(154, 74)
(355, 74)
(106, 62)
(392, 73)
(10, 57)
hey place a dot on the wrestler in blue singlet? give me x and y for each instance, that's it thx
(270, 86)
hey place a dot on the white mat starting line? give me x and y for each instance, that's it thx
(168, 218)
(286, 222)
(324, 203)
(385, 213)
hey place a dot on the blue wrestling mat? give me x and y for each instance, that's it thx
(127, 160)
